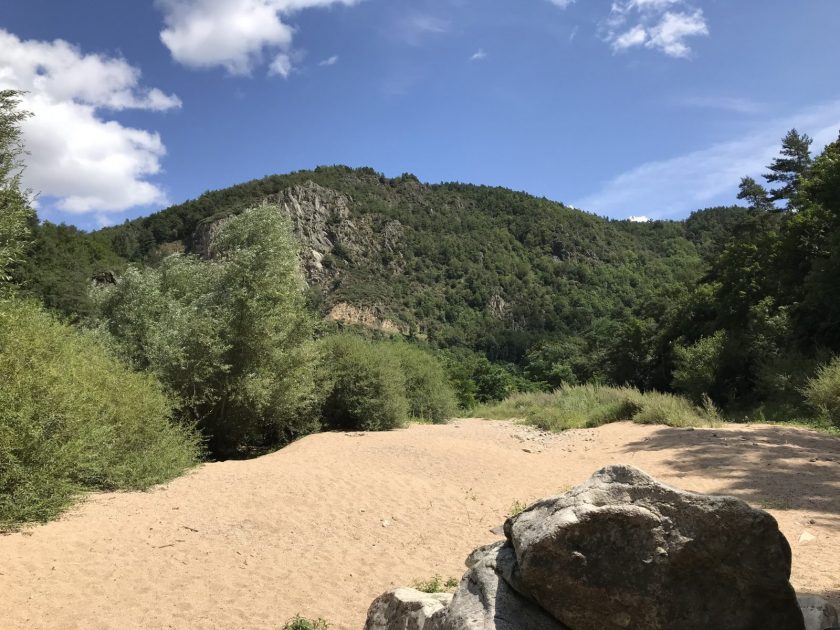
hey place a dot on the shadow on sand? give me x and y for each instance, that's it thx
(770, 467)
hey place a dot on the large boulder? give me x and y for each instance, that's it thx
(621, 551)
(625, 551)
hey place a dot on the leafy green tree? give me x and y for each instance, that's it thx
(697, 366)
(786, 170)
(755, 194)
(15, 214)
(230, 336)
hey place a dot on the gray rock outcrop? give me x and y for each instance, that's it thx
(625, 551)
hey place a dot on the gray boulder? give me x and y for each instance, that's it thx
(625, 551)
(818, 613)
(407, 609)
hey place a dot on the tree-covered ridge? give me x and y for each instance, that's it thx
(487, 268)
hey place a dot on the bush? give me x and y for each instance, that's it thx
(302, 623)
(73, 418)
(823, 391)
(365, 386)
(428, 391)
(580, 406)
(230, 336)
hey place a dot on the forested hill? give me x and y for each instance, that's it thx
(459, 265)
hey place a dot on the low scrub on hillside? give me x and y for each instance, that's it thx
(72, 418)
(581, 406)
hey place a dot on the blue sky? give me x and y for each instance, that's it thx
(620, 107)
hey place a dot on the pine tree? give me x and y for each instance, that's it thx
(754, 193)
(794, 162)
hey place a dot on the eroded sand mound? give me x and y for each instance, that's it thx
(325, 525)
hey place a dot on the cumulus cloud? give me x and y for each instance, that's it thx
(89, 163)
(236, 35)
(707, 176)
(653, 24)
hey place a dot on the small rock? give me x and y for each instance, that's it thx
(386, 523)
(818, 613)
(806, 538)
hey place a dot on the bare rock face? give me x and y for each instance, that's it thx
(407, 609)
(818, 613)
(625, 551)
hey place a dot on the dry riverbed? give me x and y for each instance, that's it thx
(323, 526)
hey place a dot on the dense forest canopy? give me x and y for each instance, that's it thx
(525, 292)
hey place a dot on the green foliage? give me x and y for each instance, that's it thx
(790, 167)
(229, 336)
(695, 371)
(428, 391)
(303, 623)
(516, 508)
(822, 391)
(73, 418)
(436, 584)
(15, 213)
(581, 406)
(365, 385)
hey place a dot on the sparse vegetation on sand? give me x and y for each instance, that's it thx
(303, 623)
(583, 406)
(436, 584)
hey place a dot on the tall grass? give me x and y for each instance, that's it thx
(823, 391)
(582, 406)
(72, 418)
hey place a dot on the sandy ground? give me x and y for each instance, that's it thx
(323, 526)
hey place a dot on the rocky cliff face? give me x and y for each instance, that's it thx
(331, 240)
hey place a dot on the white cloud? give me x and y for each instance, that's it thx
(329, 61)
(478, 55)
(636, 36)
(89, 163)
(638, 219)
(652, 23)
(670, 33)
(233, 34)
(561, 3)
(709, 176)
(282, 66)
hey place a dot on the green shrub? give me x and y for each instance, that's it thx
(428, 391)
(823, 391)
(302, 623)
(435, 584)
(580, 406)
(365, 386)
(73, 418)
